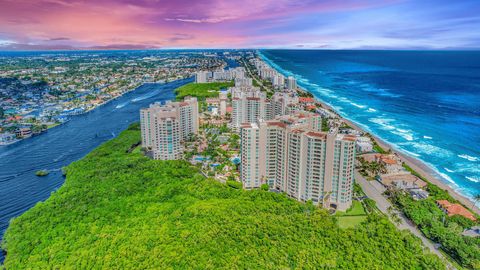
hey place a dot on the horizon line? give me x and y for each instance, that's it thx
(84, 49)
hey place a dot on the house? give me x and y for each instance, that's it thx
(391, 165)
(14, 118)
(23, 132)
(391, 162)
(364, 145)
(402, 180)
(6, 138)
(306, 99)
(418, 194)
(452, 209)
(472, 232)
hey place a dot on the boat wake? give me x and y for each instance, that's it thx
(119, 106)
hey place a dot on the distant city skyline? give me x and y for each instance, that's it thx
(129, 24)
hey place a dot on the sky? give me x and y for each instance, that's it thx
(308, 24)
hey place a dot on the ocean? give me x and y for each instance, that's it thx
(425, 103)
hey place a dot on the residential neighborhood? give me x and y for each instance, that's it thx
(40, 92)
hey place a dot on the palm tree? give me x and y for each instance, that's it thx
(476, 198)
(396, 218)
(375, 168)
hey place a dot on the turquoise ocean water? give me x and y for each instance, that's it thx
(425, 103)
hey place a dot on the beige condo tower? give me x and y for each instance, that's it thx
(165, 127)
(292, 155)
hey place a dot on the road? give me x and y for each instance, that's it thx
(251, 74)
(383, 205)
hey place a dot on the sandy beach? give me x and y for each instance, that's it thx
(414, 163)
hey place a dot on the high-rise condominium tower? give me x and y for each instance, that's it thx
(290, 154)
(164, 127)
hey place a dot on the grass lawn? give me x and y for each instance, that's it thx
(379, 149)
(346, 222)
(137, 149)
(201, 90)
(355, 210)
(352, 217)
(53, 125)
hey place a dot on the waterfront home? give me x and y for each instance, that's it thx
(401, 180)
(418, 194)
(390, 162)
(7, 138)
(452, 209)
(472, 232)
(364, 145)
(23, 132)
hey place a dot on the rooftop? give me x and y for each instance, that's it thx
(455, 209)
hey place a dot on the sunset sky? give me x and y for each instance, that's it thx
(341, 24)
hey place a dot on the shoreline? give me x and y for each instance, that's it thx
(55, 180)
(85, 112)
(416, 164)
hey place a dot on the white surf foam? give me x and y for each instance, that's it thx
(371, 110)
(337, 108)
(378, 91)
(446, 177)
(406, 136)
(473, 179)
(358, 105)
(467, 157)
(386, 94)
(384, 123)
(410, 153)
(448, 170)
(430, 149)
(468, 167)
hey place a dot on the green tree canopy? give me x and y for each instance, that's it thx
(121, 210)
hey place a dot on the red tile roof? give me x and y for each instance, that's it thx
(350, 138)
(305, 99)
(277, 123)
(389, 161)
(455, 209)
(321, 135)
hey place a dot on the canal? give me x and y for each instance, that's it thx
(20, 188)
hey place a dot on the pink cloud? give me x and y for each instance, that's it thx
(171, 23)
